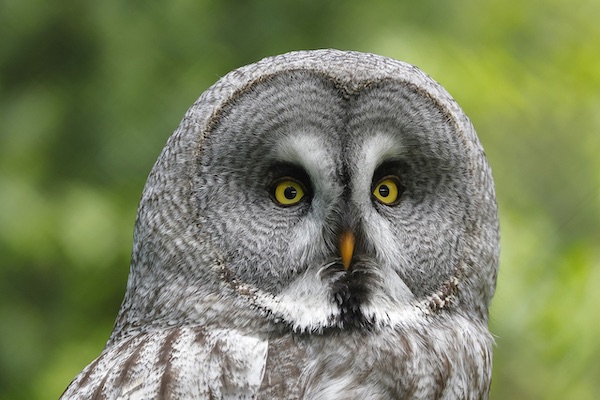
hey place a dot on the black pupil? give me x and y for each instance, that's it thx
(290, 193)
(384, 190)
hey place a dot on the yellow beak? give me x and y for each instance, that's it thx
(346, 248)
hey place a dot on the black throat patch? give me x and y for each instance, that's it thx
(349, 291)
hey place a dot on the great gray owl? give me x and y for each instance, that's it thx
(322, 225)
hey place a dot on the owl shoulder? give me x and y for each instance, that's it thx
(180, 362)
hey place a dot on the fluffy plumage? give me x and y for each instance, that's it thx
(233, 295)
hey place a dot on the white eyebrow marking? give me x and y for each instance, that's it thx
(372, 152)
(312, 153)
(378, 148)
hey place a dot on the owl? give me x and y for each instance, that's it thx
(322, 225)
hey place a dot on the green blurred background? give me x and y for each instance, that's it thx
(90, 91)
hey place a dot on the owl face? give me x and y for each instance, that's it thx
(335, 204)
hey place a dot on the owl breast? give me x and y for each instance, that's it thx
(446, 362)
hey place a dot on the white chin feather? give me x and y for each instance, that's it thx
(307, 304)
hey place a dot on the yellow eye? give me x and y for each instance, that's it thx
(287, 192)
(387, 191)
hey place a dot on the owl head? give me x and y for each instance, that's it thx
(316, 191)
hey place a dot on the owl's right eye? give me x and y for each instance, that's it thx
(287, 191)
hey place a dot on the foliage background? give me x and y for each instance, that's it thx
(90, 91)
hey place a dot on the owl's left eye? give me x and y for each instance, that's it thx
(287, 191)
(388, 190)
